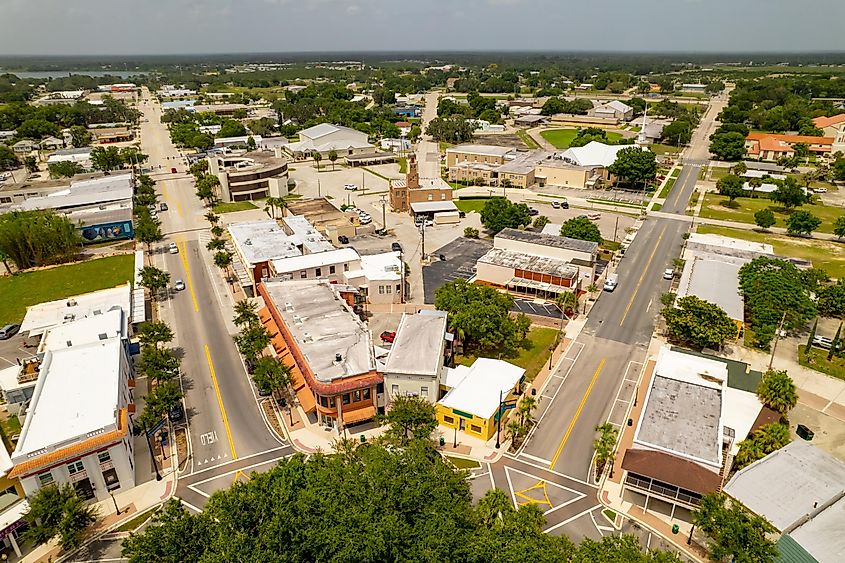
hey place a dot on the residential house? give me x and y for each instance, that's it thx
(24, 147)
(770, 146)
(51, 143)
(78, 155)
(415, 363)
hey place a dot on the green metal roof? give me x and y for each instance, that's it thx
(740, 376)
(790, 551)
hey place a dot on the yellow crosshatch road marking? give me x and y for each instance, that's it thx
(183, 254)
(577, 414)
(639, 283)
(220, 403)
(531, 500)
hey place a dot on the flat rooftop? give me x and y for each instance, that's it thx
(729, 243)
(417, 348)
(716, 281)
(386, 266)
(538, 264)
(262, 241)
(76, 394)
(307, 261)
(39, 318)
(85, 192)
(483, 386)
(525, 163)
(304, 234)
(488, 150)
(555, 241)
(323, 325)
(109, 324)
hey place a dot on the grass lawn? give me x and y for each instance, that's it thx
(130, 525)
(825, 254)
(233, 206)
(11, 426)
(718, 172)
(657, 207)
(527, 139)
(818, 361)
(533, 354)
(470, 205)
(714, 208)
(462, 463)
(403, 164)
(660, 149)
(561, 138)
(676, 173)
(29, 288)
(443, 145)
(664, 193)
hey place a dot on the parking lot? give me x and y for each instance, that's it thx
(13, 349)
(461, 256)
(541, 309)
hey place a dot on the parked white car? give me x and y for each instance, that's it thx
(172, 248)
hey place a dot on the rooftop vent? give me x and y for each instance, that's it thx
(71, 302)
(338, 358)
(103, 336)
(248, 242)
(289, 306)
(98, 312)
(69, 343)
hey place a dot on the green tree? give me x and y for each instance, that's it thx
(317, 156)
(223, 259)
(539, 222)
(158, 364)
(64, 169)
(699, 323)
(58, 512)
(454, 129)
(207, 188)
(199, 168)
(777, 391)
(252, 340)
(80, 136)
(332, 157)
(246, 313)
(231, 128)
(216, 244)
(471, 232)
(8, 158)
(106, 158)
(154, 333)
(409, 418)
(635, 165)
(836, 344)
(739, 168)
(831, 300)
(270, 374)
(764, 218)
(677, 133)
(173, 536)
(728, 145)
(604, 444)
(789, 194)
(498, 213)
(37, 238)
(153, 279)
(250, 143)
(730, 186)
(811, 337)
(839, 226)
(735, 534)
(31, 164)
(581, 228)
(763, 441)
(147, 229)
(802, 222)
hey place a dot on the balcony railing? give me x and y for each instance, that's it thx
(673, 494)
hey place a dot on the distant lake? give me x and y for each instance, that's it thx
(64, 73)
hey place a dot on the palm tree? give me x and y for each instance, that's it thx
(332, 157)
(317, 158)
(515, 430)
(604, 446)
(525, 407)
(755, 183)
(246, 313)
(216, 244)
(223, 259)
(493, 507)
(777, 391)
(567, 300)
(212, 217)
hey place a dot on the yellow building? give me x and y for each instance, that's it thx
(473, 396)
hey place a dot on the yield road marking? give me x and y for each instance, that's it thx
(220, 403)
(577, 414)
(642, 276)
(183, 254)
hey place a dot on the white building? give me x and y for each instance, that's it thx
(325, 137)
(78, 429)
(612, 110)
(414, 364)
(593, 154)
(379, 277)
(78, 155)
(332, 265)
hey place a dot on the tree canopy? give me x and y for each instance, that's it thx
(730, 186)
(37, 238)
(581, 228)
(831, 300)
(58, 512)
(735, 534)
(634, 165)
(698, 323)
(789, 194)
(499, 213)
(802, 222)
(777, 391)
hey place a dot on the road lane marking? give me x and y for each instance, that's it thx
(183, 254)
(220, 403)
(678, 196)
(240, 459)
(571, 519)
(642, 276)
(577, 414)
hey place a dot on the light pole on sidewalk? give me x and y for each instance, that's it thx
(116, 509)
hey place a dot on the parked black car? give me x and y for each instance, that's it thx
(343, 239)
(396, 247)
(176, 412)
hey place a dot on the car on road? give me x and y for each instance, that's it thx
(822, 342)
(593, 216)
(366, 220)
(179, 285)
(533, 211)
(350, 187)
(564, 204)
(162, 207)
(396, 247)
(668, 273)
(176, 412)
(9, 331)
(611, 282)
(172, 248)
(820, 190)
(388, 336)
(555, 205)
(343, 239)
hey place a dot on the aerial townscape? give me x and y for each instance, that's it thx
(340, 281)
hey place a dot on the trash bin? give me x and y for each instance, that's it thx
(442, 441)
(363, 439)
(675, 528)
(804, 432)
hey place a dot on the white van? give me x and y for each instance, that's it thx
(611, 282)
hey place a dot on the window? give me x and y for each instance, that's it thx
(475, 428)
(398, 288)
(443, 196)
(430, 197)
(75, 467)
(356, 396)
(389, 288)
(303, 274)
(111, 479)
(45, 479)
(381, 290)
(324, 402)
(331, 269)
(367, 394)
(380, 388)
(394, 390)
(103, 457)
(346, 398)
(448, 419)
(346, 267)
(319, 272)
(424, 391)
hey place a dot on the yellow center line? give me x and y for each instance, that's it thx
(642, 276)
(680, 190)
(220, 403)
(577, 414)
(183, 253)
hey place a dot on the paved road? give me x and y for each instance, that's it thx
(224, 420)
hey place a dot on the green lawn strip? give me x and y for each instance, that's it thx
(657, 207)
(130, 525)
(659, 149)
(559, 138)
(533, 354)
(714, 208)
(233, 206)
(470, 205)
(374, 173)
(527, 139)
(462, 463)
(718, 172)
(675, 173)
(403, 164)
(610, 515)
(817, 360)
(825, 254)
(30, 288)
(664, 193)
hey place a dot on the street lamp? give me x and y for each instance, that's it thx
(116, 509)
(455, 441)
(499, 421)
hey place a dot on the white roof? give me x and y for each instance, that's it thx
(307, 261)
(715, 281)
(85, 192)
(262, 241)
(418, 346)
(761, 173)
(109, 324)
(76, 394)
(618, 106)
(39, 318)
(9, 379)
(730, 243)
(455, 375)
(487, 381)
(386, 266)
(552, 229)
(305, 234)
(489, 150)
(243, 139)
(593, 154)
(433, 206)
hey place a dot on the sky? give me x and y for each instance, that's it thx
(118, 27)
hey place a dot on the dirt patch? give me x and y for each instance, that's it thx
(182, 448)
(270, 414)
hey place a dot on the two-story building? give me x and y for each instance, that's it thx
(255, 175)
(430, 195)
(414, 364)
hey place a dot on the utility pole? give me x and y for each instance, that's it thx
(383, 213)
(499, 420)
(777, 337)
(422, 230)
(616, 226)
(363, 180)
(318, 188)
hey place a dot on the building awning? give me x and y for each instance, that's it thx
(306, 399)
(433, 206)
(671, 469)
(536, 285)
(359, 415)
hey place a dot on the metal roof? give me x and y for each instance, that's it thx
(549, 240)
(433, 206)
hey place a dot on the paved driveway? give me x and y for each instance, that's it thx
(461, 256)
